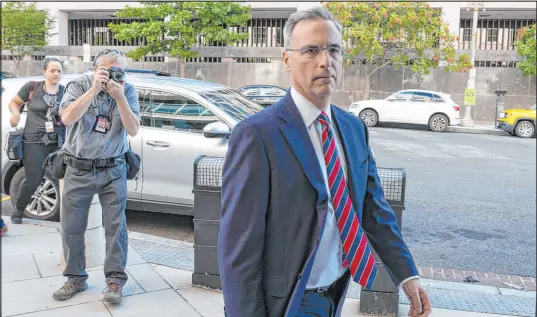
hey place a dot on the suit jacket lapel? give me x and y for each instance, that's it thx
(294, 131)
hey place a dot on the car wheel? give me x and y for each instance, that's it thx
(438, 123)
(369, 117)
(45, 202)
(524, 129)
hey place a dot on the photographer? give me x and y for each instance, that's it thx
(40, 136)
(99, 110)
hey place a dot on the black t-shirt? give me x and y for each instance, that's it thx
(38, 107)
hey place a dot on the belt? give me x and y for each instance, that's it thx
(38, 137)
(90, 165)
(323, 290)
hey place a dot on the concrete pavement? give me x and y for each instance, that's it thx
(31, 273)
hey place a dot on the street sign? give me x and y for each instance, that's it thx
(469, 97)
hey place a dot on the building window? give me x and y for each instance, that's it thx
(467, 35)
(204, 60)
(492, 35)
(252, 59)
(96, 32)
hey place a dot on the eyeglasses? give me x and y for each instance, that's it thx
(107, 51)
(312, 51)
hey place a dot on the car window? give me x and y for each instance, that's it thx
(400, 97)
(417, 98)
(172, 111)
(232, 103)
(272, 92)
(251, 92)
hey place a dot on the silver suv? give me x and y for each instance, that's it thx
(181, 119)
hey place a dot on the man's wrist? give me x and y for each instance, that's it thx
(415, 277)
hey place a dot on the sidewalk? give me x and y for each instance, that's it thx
(160, 283)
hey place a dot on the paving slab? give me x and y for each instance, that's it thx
(49, 264)
(18, 268)
(30, 244)
(27, 229)
(93, 309)
(165, 303)
(16, 295)
(178, 279)
(147, 278)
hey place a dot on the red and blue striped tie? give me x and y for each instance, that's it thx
(358, 256)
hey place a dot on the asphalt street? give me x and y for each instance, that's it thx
(470, 200)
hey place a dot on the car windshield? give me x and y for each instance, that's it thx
(233, 103)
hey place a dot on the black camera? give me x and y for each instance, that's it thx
(116, 74)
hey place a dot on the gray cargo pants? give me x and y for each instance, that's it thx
(79, 188)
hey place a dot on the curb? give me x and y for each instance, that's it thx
(469, 130)
(434, 283)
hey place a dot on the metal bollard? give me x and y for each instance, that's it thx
(383, 298)
(207, 194)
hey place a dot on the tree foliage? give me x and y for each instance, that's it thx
(25, 29)
(398, 33)
(176, 27)
(525, 46)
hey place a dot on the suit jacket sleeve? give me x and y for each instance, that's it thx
(380, 225)
(245, 194)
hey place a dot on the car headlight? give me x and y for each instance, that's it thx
(504, 115)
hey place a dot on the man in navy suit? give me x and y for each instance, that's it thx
(302, 203)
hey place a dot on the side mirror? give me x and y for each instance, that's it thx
(216, 129)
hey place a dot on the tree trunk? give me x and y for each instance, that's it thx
(366, 87)
(182, 67)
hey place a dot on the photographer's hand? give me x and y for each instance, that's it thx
(115, 90)
(100, 78)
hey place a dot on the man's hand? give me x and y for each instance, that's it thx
(100, 78)
(14, 120)
(420, 305)
(115, 90)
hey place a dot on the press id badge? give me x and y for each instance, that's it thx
(102, 124)
(49, 127)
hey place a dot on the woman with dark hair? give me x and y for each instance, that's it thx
(40, 137)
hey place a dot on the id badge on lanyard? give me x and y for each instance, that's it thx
(49, 125)
(103, 124)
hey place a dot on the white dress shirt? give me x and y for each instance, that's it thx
(328, 262)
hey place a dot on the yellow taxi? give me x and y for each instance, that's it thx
(519, 122)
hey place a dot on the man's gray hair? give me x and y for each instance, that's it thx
(314, 13)
(114, 54)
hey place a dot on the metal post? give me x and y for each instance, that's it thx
(467, 120)
(500, 102)
(383, 298)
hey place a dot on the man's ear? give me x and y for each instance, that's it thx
(286, 61)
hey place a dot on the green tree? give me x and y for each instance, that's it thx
(25, 29)
(525, 46)
(176, 27)
(399, 33)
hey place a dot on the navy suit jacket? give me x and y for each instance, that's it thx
(274, 206)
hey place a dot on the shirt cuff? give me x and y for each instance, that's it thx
(408, 279)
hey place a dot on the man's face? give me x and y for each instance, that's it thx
(317, 66)
(110, 62)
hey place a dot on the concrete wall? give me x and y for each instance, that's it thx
(520, 91)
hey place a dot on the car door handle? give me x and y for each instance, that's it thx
(158, 144)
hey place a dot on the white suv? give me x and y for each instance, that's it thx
(434, 109)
